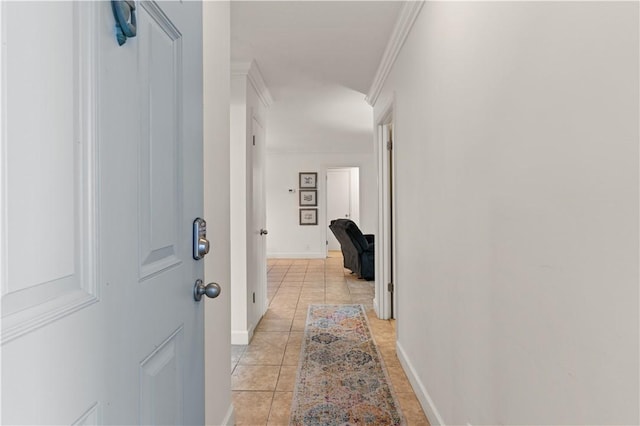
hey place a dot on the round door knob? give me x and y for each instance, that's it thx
(263, 232)
(211, 290)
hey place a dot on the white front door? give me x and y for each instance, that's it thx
(101, 181)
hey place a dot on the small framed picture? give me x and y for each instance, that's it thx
(308, 197)
(308, 180)
(308, 216)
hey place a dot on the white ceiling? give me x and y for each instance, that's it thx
(318, 59)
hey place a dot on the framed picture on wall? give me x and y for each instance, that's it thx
(308, 216)
(308, 180)
(308, 197)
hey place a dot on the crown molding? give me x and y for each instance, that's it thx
(406, 19)
(251, 71)
(256, 79)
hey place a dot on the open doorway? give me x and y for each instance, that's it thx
(388, 129)
(385, 302)
(343, 199)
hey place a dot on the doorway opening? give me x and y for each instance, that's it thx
(390, 207)
(385, 302)
(343, 199)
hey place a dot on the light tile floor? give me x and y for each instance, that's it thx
(263, 373)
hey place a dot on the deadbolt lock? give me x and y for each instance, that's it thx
(200, 242)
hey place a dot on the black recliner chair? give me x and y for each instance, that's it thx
(358, 249)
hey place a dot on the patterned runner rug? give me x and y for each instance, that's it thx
(341, 377)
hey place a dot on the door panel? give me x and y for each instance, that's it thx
(90, 417)
(25, 154)
(161, 383)
(48, 168)
(160, 153)
(50, 296)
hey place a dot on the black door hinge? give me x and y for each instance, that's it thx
(390, 287)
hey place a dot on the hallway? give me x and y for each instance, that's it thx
(505, 208)
(264, 372)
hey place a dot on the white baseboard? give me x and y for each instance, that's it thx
(230, 417)
(420, 390)
(305, 255)
(241, 337)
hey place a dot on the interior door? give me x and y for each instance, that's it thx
(258, 276)
(102, 152)
(391, 261)
(386, 285)
(338, 200)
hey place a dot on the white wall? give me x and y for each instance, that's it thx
(286, 237)
(216, 45)
(238, 207)
(517, 211)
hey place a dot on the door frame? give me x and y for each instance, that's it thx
(217, 266)
(385, 238)
(354, 202)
